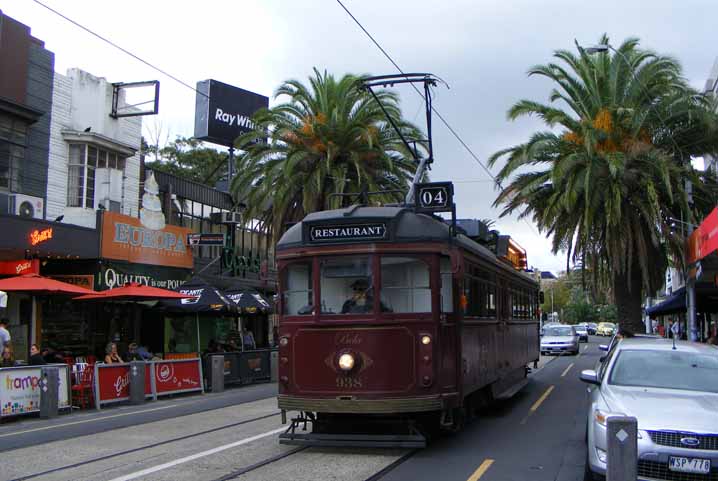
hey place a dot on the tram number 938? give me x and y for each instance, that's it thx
(344, 382)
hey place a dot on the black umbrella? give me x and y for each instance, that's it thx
(249, 302)
(205, 298)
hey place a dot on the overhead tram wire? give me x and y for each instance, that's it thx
(433, 109)
(124, 50)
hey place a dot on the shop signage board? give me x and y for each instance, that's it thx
(224, 112)
(20, 389)
(177, 376)
(83, 280)
(117, 274)
(44, 238)
(206, 239)
(126, 238)
(704, 240)
(17, 268)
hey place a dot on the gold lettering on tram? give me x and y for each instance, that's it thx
(344, 382)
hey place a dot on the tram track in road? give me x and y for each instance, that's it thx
(239, 472)
(147, 446)
(392, 466)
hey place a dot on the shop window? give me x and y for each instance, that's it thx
(297, 294)
(181, 334)
(13, 138)
(94, 173)
(405, 285)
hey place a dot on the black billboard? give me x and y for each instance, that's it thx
(224, 112)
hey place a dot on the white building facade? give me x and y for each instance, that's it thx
(94, 159)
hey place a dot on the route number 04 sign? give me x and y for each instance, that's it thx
(434, 197)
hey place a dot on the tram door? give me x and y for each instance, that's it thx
(448, 329)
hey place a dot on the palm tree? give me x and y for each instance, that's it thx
(329, 138)
(609, 175)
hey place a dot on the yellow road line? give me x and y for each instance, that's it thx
(481, 470)
(567, 370)
(540, 400)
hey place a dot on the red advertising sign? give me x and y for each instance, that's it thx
(16, 268)
(174, 376)
(704, 240)
(113, 382)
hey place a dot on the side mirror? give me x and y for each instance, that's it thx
(590, 376)
(603, 347)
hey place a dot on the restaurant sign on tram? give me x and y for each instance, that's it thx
(344, 232)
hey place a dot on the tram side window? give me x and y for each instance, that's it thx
(298, 296)
(405, 285)
(447, 292)
(347, 285)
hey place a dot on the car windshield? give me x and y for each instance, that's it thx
(559, 331)
(580, 328)
(666, 369)
(607, 324)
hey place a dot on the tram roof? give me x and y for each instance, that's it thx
(400, 225)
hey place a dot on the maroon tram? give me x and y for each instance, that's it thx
(387, 319)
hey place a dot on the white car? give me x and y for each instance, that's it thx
(559, 340)
(674, 395)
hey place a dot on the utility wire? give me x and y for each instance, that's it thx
(111, 43)
(433, 109)
(443, 120)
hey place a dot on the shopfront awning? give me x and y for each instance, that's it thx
(199, 297)
(674, 304)
(249, 302)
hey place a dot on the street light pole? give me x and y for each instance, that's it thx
(690, 283)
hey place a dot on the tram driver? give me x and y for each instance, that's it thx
(361, 300)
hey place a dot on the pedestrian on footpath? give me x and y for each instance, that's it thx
(248, 340)
(5, 338)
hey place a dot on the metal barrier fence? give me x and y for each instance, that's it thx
(242, 367)
(162, 377)
(20, 389)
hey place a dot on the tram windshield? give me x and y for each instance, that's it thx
(348, 285)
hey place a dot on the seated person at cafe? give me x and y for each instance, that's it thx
(36, 358)
(7, 359)
(132, 353)
(112, 357)
(51, 356)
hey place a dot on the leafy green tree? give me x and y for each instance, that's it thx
(580, 309)
(607, 177)
(190, 159)
(329, 137)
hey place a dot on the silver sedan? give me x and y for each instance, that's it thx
(559, 340)
(674, 395)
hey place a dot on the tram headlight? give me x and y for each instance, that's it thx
(426, 340)
(283, 341)
(346, 362)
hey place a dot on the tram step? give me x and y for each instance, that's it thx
(354, 440)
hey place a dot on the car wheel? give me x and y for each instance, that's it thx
(589, 475)
(575, 353)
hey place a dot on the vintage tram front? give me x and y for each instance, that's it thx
(370, 313)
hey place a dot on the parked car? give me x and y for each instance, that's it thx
(559, 340)
(606, 329)
(674, 395)
(549, 324)
(582, 332)
(592, 326)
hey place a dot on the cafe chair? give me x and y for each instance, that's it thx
(82, 389)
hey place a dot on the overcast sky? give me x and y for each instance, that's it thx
(481, 48)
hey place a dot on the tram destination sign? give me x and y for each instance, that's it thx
(434, 197)
(347, 232)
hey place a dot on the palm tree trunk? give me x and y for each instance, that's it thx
(627, 291)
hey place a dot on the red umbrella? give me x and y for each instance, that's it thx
(134, 292)
(36, 284)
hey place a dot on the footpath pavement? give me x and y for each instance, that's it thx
(31, 430)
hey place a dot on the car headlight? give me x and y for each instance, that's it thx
(602, 455)
(346, 362)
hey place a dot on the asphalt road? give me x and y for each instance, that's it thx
(538, 435)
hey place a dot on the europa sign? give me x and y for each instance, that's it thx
(125, 238)
(224, 112)
(346, 232)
